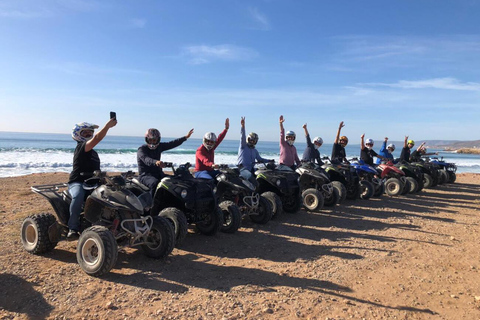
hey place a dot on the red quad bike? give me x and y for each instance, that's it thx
(394, 179)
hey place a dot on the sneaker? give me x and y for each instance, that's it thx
(72, 235)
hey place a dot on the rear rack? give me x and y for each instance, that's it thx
(41, 189)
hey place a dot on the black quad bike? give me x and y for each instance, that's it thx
(345, 174)
(316, 188)
(112, 217)
(184, 200)
(430, 173)
(413, 174)
(238, 197)
(280, 186)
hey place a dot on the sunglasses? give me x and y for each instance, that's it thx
(290, 138)
(369, 144)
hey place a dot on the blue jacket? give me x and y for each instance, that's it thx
(246, 155)
(384, 153)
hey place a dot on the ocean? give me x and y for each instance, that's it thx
(26, 153)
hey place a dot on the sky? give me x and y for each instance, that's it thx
(385, 68)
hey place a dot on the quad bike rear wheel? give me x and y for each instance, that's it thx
(292, 203)
(275, 202)
(331, 199)
(427, 180)
(312, 199)
(264, 211)
(452, 176)
(212, 223)
(232, 218)
(179, 222)
(34, 233)
(342, 190)
(97, 251)
(413, 184)
(160, 241)
(367, 189)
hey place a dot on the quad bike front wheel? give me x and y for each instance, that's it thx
(312, 199)
(427, 180)
(160, 241)
(393, 187)
(413, 184)
(179, 222)
(232, 218)
(292, 203)
(34, 233)
(212, 222)
(97, 251)
(264, 211)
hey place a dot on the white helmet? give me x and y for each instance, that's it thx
(81, 127)
(369, 141)
(290, 136)
(209, 140)
(391, 146)
(317, 140)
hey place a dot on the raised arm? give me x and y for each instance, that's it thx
(100, 134)
(338, 132)
(420, 146)
(405, 143)
(362, 141)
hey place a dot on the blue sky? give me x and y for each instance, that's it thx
(386, 68)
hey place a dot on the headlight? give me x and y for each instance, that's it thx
(278, 183)
(215, 190)
(184, 193)
(222, 177)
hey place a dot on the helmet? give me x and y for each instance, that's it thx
(152, 138)
(81, 128)
(391, 146)
(209, 140)
(290, 136)
(252, 139)
(411, 142)
(317, 140)
(369, 141)
(344, 138)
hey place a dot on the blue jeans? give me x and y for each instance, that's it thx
(78, 197)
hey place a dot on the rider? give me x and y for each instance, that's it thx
(311, 153)
(205, 155)
(85, 160)
(386, 151)
(338, 150)
(288, 152)
(247, 154)
(407, 145)
(367, 153)
(421, 151)
(149, 155)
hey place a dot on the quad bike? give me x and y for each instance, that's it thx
(280, 186)
(413, 175)
(184, 200)
(370, 184)
(430, 173)
(449, 168)
(346, 178)
(316, 188)
(237, 197)
(394, 179)
(112, 217)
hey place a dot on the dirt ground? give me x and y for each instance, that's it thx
(409, 257)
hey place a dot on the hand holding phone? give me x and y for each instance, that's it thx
(113, 115)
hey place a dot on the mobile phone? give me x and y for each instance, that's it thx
(113, 115)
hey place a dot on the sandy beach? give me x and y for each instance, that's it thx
(409, 257)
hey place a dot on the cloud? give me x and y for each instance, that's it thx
(137, 23)
(438, 83)
(206, 54)
(260, 20)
